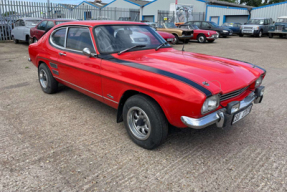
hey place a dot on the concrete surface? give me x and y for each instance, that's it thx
(70, 142)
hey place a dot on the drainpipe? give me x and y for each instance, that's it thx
(141, 13)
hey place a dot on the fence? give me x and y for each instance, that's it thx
(174, 17)
(10, 11)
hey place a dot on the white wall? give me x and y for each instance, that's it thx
(152, 8)
(222, 11)
(271, 11)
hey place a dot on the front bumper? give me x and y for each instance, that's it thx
(249, 32)
(221, 117)
(277, 32)
(212, 37)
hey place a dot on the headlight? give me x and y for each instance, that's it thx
(208, 34)
(225, 31)
(258, 82)
(210, 104)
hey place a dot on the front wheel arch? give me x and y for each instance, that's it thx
(127, 94)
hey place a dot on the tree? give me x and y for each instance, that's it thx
(254, 3)
(6, 14)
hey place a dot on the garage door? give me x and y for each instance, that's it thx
(236, 19)
(149, 18)
(214, 19)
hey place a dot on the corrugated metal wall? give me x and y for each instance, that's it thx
(222, 11)
(273, 11)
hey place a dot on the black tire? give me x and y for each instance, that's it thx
(15, 40)
(51, 83)
(260, 34)
(240, 35)
(281, 36)
(210, 41)
(270, 35)
(158, 129)
(176, 39)
(201, 38)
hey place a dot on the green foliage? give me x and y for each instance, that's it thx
(9, 13)
(257, 3)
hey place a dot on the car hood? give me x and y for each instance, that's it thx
(223, 75)
(250, 25)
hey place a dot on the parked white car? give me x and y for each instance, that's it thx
(22, 28)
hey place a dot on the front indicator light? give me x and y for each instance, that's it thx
(258, 82)
(233, 107)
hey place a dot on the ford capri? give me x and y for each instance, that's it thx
(130, 67)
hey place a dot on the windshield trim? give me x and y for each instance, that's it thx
(109, 53)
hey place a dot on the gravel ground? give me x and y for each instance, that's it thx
(70, 142)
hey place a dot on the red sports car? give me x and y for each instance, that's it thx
(37, 32)
(150, 84)
(201, 35)
(167, 36)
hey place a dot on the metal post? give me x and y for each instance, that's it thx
(48, 9)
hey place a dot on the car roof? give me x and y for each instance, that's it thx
(59, 20)
(93, 23)
(282, 17)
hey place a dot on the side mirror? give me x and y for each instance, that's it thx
(87, 52)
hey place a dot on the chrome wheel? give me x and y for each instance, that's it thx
(139, 123)
(43, 78)
(260, 34)
(201, 39)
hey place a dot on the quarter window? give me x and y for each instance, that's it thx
(58, 37)
(42, 25)
(79, 38)
(205, 25)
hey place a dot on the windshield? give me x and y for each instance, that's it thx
(213, 24)
(256, 21)
(184, 27)
(228, 25)
(194, 27)
(32, 22)
(170, 25)
(282, 20)
(113, 39)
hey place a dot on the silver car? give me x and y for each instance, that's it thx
(22, 28)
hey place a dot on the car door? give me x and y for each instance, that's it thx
(77, 69)
(15, 30)
(40, 29)
(205, 25)
(20, 31)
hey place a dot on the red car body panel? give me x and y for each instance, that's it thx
(116, 74)
(166, 36)
(196, 32)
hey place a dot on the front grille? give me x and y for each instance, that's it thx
(248, 27)
(280, 28)
(232, 94)
(187, 33)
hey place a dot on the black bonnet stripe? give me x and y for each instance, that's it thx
(158, 71)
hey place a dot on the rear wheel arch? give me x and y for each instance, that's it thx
(126, 95)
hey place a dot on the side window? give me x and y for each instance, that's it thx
(79, 38)
(205, 25)
(22, 23)
(197, 23)
(42, 26)
(50, 25)
(17, 23)
(58, 37)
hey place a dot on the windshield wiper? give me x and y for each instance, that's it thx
(125, 50)
(160, 46)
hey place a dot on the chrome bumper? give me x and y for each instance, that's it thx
(218, 117)
(29, 59)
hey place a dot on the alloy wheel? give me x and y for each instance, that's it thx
(43, 78)
(139, 123)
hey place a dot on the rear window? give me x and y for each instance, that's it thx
(58, 37)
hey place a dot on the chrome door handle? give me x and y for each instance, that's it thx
(62, 54)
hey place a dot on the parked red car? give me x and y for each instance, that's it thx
(150, 84)
(170, 38)
(201, 35)
(37, 32)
